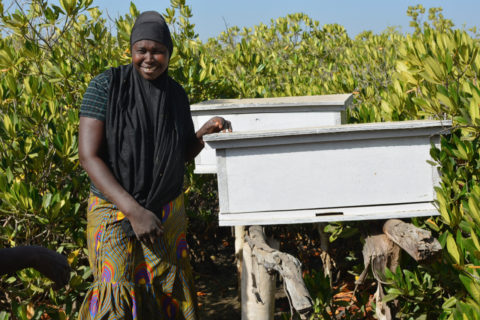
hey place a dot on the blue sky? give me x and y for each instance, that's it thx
(210, 16)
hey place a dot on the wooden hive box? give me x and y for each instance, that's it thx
(268, 114)
(333, 173)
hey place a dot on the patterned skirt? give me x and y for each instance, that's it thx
(133, 280)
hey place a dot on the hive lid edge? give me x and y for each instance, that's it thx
(335, 100)
(436, 126)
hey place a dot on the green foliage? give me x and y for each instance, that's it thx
(296, 56)
(46, 66)
(326, 301)
(340, 230)
(318, 285)
(436, 77)
(417, 292)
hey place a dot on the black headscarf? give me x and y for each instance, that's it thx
(150, 25)
(148, 126)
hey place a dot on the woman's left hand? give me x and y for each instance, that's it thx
(214, 125)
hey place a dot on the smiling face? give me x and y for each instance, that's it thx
(150, 58)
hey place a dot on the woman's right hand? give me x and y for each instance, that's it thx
(146, 225)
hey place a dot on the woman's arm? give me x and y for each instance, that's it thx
(91, 146)
(214, 125)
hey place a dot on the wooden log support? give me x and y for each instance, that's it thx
(380, 253)
(286, 265)
(383, 251)
(239, 233)
(382, 309)
(417, 242)
(257, 288)
(327, 261)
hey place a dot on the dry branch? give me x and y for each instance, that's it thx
(327, 261)
(286, 265)
(417, 242)
(380, 253)
(383, 251)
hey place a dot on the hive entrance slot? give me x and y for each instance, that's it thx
(320, 214)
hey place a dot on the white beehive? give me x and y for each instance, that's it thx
(334, 173)
(268, 114)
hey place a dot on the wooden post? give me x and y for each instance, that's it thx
(383, 251)
(258, 288)
(239, 243)
(265, 260)
(327, 261)
(379, 253)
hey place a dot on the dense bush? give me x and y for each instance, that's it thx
(49, 53)
(436, 77)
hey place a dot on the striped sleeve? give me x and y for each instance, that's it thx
(94, 103)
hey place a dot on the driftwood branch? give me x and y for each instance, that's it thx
(382, 309)
(286, 265)
(380, 253)
(257, 288)
(417, 242)
(327, 261)
(383, 251)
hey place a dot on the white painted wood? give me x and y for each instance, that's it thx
(239, 241)
(328, 133)
(268, 114)
(409, 210)
(264, 284)
(357, 172)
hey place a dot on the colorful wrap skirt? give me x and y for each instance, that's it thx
(133, 280)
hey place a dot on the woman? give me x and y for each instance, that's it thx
(135, 135)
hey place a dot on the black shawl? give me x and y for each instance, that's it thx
(148, 127)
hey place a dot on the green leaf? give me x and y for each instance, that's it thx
(389, 297)
(6, 59)
(473, 208)
(9, 174)
(448, 61)
(68, 5)
(133, 9)
(11, 280)
(4, 315)
(7, 124)
(473, 111)
(471, 286)
(443, 206)
(475, 240)
(445, 99)
(452, 249)
(434, 70)
(449, 303)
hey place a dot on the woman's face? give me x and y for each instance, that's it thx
(150, 58)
